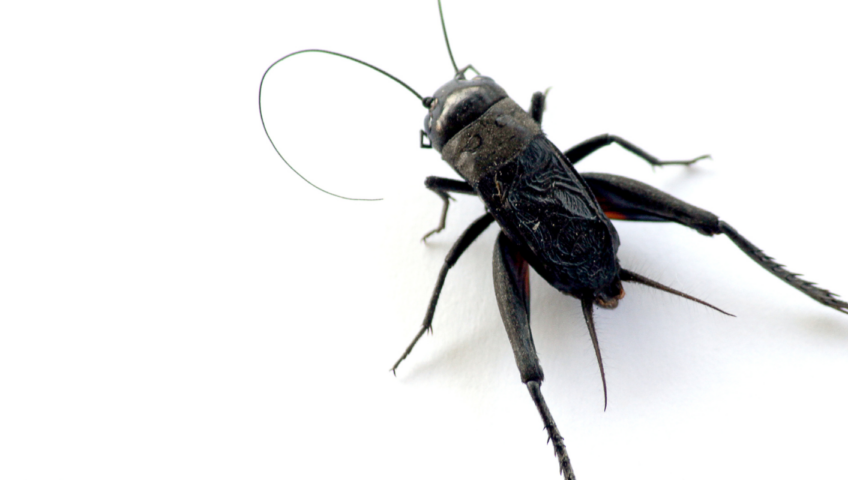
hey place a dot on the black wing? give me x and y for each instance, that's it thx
(548, 210)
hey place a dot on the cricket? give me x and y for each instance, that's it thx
(553, 219)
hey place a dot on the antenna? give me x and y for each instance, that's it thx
(447, 42)
(262, 117)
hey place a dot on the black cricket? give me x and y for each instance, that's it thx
(551, 217)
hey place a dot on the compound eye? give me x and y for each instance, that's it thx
(430, 102)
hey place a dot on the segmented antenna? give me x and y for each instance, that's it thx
(445, 31)
(460, 73)
(262, 117)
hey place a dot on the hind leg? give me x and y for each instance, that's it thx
(626, 199)
(512, 289)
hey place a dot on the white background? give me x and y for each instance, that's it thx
(175, 303)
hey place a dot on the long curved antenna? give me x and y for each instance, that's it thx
(445, 31)
(262, 117)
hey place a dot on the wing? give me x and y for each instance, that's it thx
(549, 212)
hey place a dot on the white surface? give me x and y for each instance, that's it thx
(175, 303)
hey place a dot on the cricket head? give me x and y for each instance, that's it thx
(456, 105)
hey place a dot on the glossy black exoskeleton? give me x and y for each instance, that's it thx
(551, 217)
(537, 197)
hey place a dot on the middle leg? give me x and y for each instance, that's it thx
(623, 198)
(467, 237)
